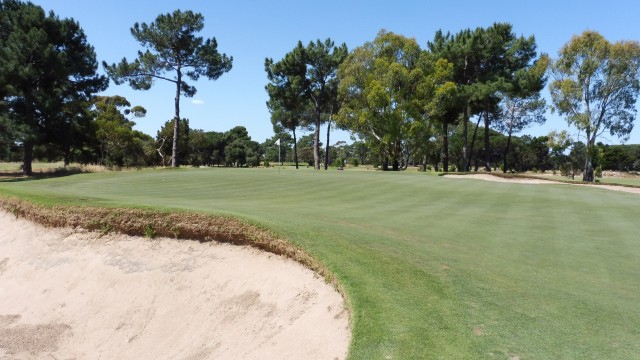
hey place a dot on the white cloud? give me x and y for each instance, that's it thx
(197, 102)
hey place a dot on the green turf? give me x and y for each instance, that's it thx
(435, 268)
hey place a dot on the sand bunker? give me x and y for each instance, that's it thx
(65, 294)
(488, 177)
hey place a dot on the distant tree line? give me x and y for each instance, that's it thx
(457, 104)
(460, 102)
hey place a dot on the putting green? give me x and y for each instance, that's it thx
(434, 268)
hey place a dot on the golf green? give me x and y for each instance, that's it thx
(434, 268)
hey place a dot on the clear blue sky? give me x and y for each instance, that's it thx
(252, 30)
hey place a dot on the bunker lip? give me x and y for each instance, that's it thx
(270, 315)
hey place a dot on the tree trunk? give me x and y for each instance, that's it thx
(465, 154)
(295, 148)
(316, 141)
(384, 154)
(445, 146)
(67, 156)
(487, 144)
(326, 153)
(506, 151)
(28, 158)
(176, 122)
(473, 143)
(587, 175)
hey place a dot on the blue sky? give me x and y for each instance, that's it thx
(252, 30)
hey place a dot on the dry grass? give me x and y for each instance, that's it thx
(44, 170)
(150, 223)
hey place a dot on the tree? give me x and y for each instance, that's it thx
(488, 62)
(596, 87)
(172, 47)
(166, 132)
(322, 60)
(381, 91)
(240, 150)
(288, 102)
(271, 147)
(303, 83)
(516, 115)
(47, 69)
(114, 131)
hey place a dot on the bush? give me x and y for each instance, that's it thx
(355, 162)
(266, 163)
(338, 162)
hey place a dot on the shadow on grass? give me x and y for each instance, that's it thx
(19, 177)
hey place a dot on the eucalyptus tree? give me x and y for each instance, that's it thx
(379, 91)
(172, 47)
(596, 85)
(516, 115)
(47, 69)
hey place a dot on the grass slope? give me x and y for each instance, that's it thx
(434, 268)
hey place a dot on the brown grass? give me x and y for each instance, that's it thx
(152, 223)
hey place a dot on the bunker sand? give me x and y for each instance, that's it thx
(73, 294)
(488, 177)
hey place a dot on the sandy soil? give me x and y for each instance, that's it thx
(489, 177)
(79, 295)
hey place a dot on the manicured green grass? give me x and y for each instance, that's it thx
(435, 268)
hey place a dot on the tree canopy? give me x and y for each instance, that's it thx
(172, 47)
(48, 75)
(596, 85)
(305, 81)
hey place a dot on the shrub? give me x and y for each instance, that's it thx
(149, 232)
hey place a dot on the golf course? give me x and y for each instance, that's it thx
(430, 267)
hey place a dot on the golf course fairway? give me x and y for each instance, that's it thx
(432, 268)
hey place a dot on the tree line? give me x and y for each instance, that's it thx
(408, 104)
(456, 104)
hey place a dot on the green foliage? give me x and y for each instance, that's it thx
(596, 88)
(150, 232)
(620, 157)
(382, 89)
(119, 145)
(172, 47)
(303, 88)
(164, 137)
(47, 76)
(487, 63)
(240, 150)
